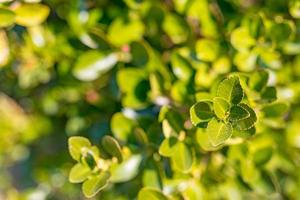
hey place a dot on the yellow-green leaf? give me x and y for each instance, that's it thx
(31, 14)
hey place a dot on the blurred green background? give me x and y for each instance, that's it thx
(89, 67)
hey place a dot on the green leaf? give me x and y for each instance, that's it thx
(181, 67)
(148, 193)
(241, 39)
(139, 54)
(200, 112)
(231, 90)
(258, 80)
(128, 78)
(76, 145)
(112, 147)
(176, 28)
(132, 30)
(127, 170)
(121, 126)
(182, 157)
(31, 14)
(274, 110)
(167, 146)
(221, 107)
(238, 113)
(7, 17)
(92, 64)
(269, 94)
(79, 173)
(294, 8)
(90, 156)
(218, 132)
(248, 122)
(95, 184)
(207, 50)
(204, 141)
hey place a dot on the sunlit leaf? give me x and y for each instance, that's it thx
(79, 173)
(182, 157)
(221, 107)
(231, 90)
(76, 145)
(95, 184)
(7, 17)
(30, 14)
(92, 64)
(127, 170)
(151, 194)
(218, 132)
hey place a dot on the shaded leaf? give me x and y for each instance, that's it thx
(112, 147)
(248, 122)
(200, 112)
(238, 113)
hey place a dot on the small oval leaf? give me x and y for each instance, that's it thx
(112, 147)
(218, 132)
(96, 183)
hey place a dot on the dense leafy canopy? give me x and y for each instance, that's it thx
(149, 99)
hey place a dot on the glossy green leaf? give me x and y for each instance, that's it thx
(31, 14)
(231, 90)
(95, 184)
(76, 145)
(182, 157)
(247, 123)
(238, 113)
(200, 112)
(127, 170)
(112, 147)
(218, 132)
(7, 17)
(79, 173)
(148, 193)
(167, 146)
(92, 64)
(221, 107)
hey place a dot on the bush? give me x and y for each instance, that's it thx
(149, 100)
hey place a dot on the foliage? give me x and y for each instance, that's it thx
(149, 99)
